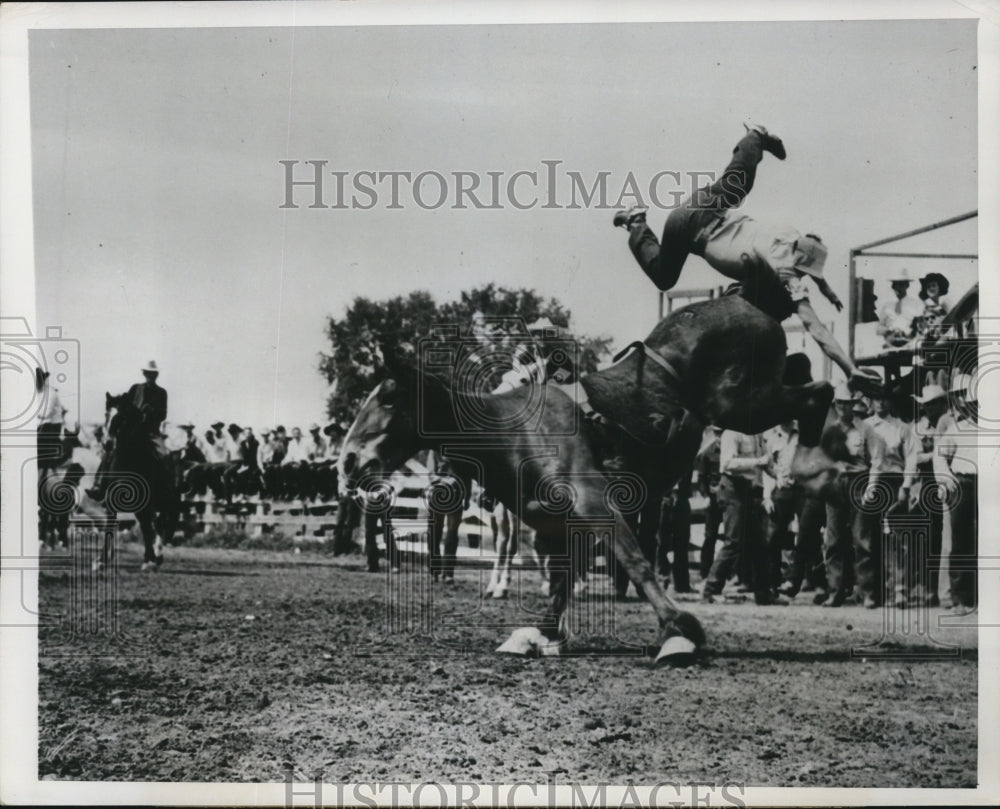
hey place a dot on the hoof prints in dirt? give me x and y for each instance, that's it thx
(241, 676)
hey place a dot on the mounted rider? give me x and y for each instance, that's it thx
(150, 401)
(769, 264)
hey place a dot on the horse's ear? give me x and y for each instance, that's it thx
(403, 372)
(107, 400)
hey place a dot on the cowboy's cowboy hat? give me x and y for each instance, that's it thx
(901, 277)
(810, 255)
(150, 368)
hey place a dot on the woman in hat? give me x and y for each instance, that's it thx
(933, 289)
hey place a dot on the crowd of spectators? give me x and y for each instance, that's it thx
(874, 538)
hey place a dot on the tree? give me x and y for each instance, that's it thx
(398, 325)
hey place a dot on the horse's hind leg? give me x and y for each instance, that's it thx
(810, 405)
(552, 631)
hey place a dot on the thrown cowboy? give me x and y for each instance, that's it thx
(769, 262)
(150, 400)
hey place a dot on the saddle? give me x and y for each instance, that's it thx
(639, 394)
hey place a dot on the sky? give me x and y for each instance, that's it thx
(157, 187)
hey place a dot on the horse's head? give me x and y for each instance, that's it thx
(121, 418)
(387, 429)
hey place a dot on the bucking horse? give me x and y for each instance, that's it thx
(139, 480)
(715, 362)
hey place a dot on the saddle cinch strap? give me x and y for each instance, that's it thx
(677, 416)
(646, 351)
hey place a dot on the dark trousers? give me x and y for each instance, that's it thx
(372, 521)
(964, 517)
(743, 534)
(663, 261)
(675, 536)
(786, 502)
(850, 544)
(899, 540)
(807, 557)
(930, 570)
(441, 526)
(713, 521)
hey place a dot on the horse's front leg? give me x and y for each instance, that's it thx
(680, 632)
(144, 518)
(550, 635)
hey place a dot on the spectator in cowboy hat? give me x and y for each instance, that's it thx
(934, 420)
(956, 469)
(849, 521)
(233, 442)
(335, 434)
(317, 445)
(217, 449)
(899, 474)
(895, 322)
(194, 448)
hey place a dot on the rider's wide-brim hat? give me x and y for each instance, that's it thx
(810, 255)
(218, 425)
(901, 277)
(186, 425)
(150, 368)
(930, 393)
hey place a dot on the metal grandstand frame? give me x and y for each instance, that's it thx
(866, 251)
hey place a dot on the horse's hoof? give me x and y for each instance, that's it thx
(522, 641)
(97, 566)
(148, 566)
(676, 651)
(529, 641)
(499, 593)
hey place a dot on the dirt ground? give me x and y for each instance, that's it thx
(234, 665)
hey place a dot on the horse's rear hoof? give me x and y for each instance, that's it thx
(523, 641)
(528, 641)
(148, 567)
(676, 651)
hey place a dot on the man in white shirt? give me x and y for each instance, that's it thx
(742, 460)
(899, 473)
(316, 446)
(849, 516)
(217, 447)
(297, 450)
(934, 420)
(895, 320)
(956, 470)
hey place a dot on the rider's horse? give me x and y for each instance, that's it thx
(715, 362)
(59, 477)
(140, 480)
